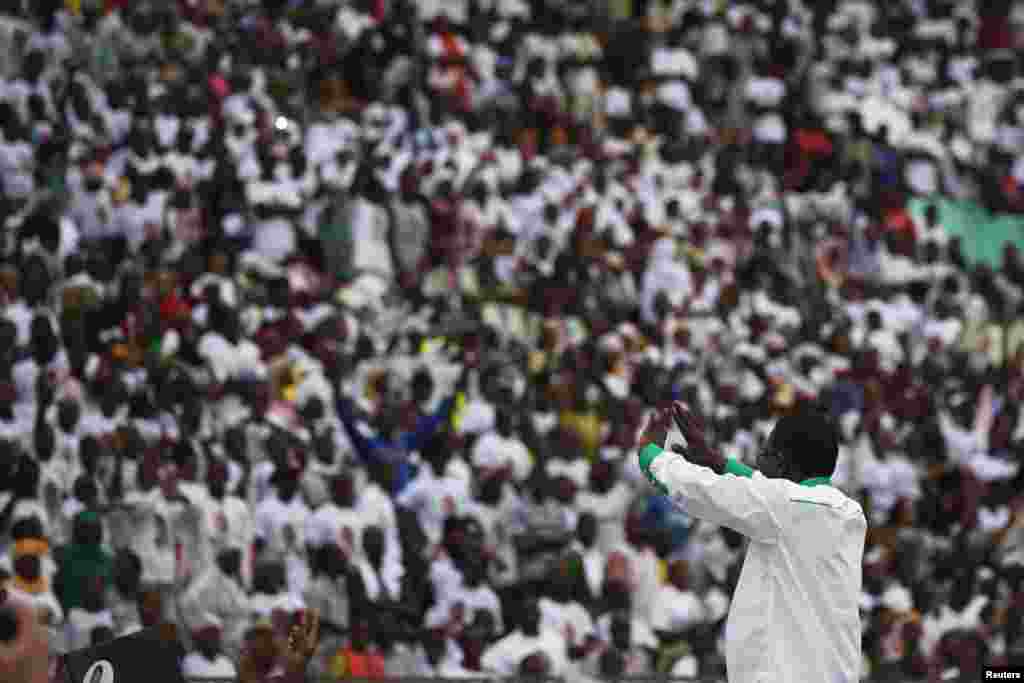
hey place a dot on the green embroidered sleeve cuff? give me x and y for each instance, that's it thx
(734, 466)
(647, 456)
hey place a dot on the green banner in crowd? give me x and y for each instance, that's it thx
(983, 233)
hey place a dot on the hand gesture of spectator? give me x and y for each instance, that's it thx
(302, 643)
(24, 647)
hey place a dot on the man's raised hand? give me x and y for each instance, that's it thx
(303, 639)
(654, 434)
(657, 428)
(693, 430)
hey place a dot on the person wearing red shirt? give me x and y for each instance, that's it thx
(358, 659)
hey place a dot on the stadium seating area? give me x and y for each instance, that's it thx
(359, 305)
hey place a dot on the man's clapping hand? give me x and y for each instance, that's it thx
(656, 430)
(653, 434)
(693, 430)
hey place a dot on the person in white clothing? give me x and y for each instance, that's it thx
(501, 450)
(218, 593)
(84, 620)
(155, 513)
(592, 557)
(281, 517)
(382, 581)
(434, 495)
(337, 520)
(677, 608)
(343, 519)
(795, 615)
(619, 637)
(226, 520)
(208, 660)
(374, 506)
(608, 499)
(504, 657)
(467, 600)
(562, 609)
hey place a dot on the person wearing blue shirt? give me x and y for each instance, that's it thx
(391, 445)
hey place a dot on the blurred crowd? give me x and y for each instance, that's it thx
(359, 305)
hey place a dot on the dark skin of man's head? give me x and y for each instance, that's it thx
(586, 530)
(343, 490)
(530, 618)
(373, 545)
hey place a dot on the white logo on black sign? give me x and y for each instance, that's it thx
(100, 672)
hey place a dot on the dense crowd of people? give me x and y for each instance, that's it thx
(358, 305)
